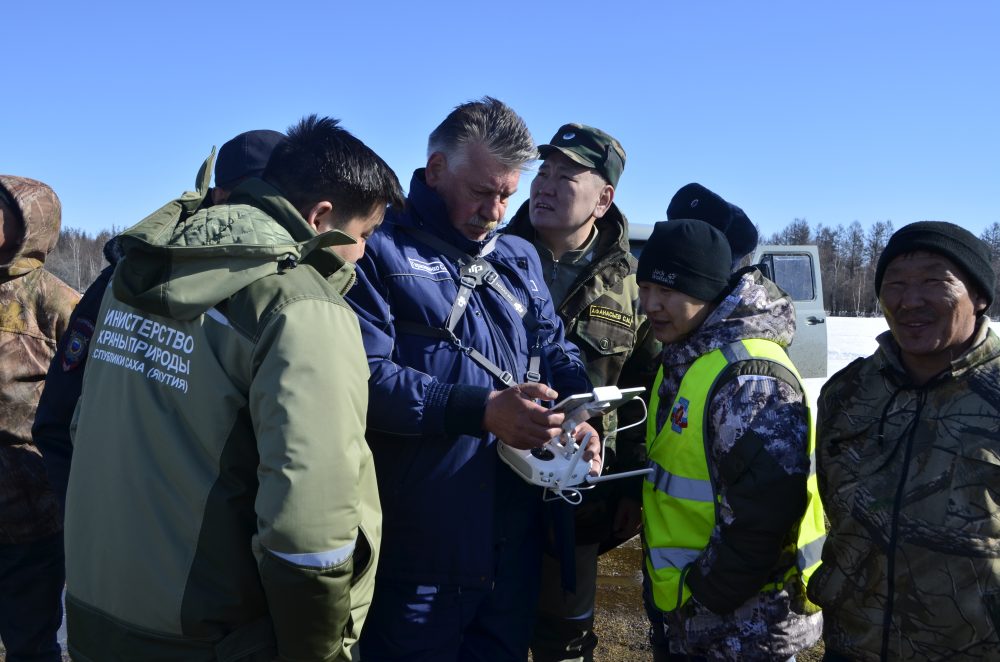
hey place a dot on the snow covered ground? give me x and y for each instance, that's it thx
(847, 339)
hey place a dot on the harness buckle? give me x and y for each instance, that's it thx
(532, 376)
(507, 378)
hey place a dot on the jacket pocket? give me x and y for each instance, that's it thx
(364, 556)
(604, 337)
(975, 494)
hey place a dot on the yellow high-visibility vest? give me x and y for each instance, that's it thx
(679, 499)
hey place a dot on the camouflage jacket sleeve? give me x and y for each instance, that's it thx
(758, 432)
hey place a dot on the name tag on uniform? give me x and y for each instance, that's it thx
(428, 267)
(610, 315)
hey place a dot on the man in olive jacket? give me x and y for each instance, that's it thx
(222, 503)
(582, 240)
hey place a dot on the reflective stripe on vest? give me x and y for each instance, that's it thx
(679, 499)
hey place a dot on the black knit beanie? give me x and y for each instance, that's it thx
(689, 256)
(967, 251)
(695, 201)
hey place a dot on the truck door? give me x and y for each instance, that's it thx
(796, 270)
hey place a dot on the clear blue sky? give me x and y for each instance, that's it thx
(828, 111)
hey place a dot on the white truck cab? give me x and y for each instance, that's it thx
(796, 270)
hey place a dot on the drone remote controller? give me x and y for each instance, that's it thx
(559, 464)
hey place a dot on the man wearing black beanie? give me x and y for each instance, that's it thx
(908, 448)
(695, 201)
(732, 525)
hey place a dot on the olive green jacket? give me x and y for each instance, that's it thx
(910, 480)
(602, 317)
(222, 502)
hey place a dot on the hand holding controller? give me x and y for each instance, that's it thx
(559, 465)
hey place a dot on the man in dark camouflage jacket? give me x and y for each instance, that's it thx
(582, 240)
(909, 464)
(34, 311)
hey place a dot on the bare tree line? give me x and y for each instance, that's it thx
(78, 258)
(848, 257)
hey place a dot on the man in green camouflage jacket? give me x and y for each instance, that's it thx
(582, 240)
(909, 464)
(34, 311)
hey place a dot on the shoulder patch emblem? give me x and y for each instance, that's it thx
(75, 350)
(611, 315)
(435, 267)
(679, 416)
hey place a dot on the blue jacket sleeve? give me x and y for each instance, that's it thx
(63, 384)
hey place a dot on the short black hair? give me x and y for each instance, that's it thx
(319, 160)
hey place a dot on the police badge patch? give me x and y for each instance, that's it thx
(75, 350)
(679, 416)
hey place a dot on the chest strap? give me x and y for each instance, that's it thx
(474, 271)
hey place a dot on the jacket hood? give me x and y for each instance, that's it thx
(41, 216)
(754, 308)
(185, 258)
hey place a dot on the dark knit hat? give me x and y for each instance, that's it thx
(245, 156)
(695, 201)
(689, 256)
(967, 251)
(589, 147)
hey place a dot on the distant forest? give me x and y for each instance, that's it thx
(847, 254)
(79, 257)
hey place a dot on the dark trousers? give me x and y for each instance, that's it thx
(32, 576)
(410, 622)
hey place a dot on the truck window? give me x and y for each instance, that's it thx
(793, 273)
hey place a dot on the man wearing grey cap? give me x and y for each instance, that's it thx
(582, 240)
(909, 463)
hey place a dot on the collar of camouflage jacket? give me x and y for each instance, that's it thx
(754, 308)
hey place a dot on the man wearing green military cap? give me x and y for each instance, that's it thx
(582, 240)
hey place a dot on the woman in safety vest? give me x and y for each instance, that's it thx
(732, 521)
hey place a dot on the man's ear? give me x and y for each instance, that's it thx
(320, 216)
(604, 200)
(437, 163)
(979, 302)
